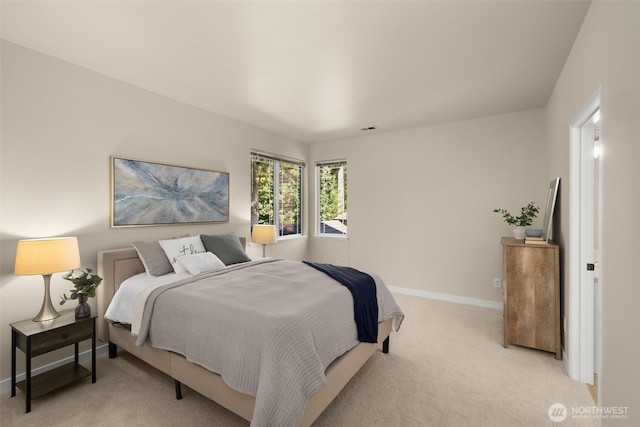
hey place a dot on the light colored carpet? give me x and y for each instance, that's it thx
(446, 367)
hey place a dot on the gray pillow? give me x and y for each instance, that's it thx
(153, 258)
(227, 247)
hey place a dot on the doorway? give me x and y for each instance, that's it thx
(597, 150)
(585, 244)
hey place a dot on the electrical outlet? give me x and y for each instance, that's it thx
(497, 283)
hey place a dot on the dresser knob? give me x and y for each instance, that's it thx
(65, 335)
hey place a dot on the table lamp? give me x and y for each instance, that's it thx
(46, 256)
(263, 234)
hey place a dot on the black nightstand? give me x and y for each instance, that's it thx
(36, 338)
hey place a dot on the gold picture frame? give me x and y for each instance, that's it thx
(150, 194)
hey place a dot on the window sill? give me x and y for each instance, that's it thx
(280, 239)
(332, 236)
(291, 237)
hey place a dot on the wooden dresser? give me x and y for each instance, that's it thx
(531, 291)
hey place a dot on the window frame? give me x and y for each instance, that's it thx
(275, 216)
(319, 232)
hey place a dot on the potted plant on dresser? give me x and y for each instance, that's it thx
(527, 214)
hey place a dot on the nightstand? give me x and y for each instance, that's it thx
(36, 338)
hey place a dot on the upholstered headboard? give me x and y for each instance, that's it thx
(114, 267)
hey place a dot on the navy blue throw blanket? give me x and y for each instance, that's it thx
(365, 301)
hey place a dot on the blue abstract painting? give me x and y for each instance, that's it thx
(145, 193)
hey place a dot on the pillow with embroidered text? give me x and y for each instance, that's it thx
(176, 248)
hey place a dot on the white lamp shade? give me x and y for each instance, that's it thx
(47, 256)
(265, 234)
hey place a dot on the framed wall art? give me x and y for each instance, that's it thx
(146, 193)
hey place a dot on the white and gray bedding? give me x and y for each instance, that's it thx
(269, 327)
(123, 305)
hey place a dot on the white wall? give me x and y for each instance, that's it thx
(607, 52)
(60, 124)
(421, 201)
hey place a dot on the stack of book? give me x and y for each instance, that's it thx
(534, 241)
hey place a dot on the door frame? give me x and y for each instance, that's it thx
(580, 342)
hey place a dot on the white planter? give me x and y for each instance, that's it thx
(518, 232)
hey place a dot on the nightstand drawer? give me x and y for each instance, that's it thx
(57, 338)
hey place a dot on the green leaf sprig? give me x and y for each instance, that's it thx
(84, 285)
(527, 215)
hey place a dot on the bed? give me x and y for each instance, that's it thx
(116, 266)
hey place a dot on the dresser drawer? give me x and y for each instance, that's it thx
(57, 338)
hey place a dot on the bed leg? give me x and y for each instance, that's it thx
(385, 346)
(178, 389)
(113, 350)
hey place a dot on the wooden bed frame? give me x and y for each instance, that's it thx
(114, 266)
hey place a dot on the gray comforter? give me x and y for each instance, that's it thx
(270, 328)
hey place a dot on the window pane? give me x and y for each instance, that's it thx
(332, 198)
(276, 193)
(262, 190)
(290, 197)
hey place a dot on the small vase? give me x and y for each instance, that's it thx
(83, 309)
(518, 232)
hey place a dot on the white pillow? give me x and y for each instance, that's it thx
(200, 263)
(177, 248)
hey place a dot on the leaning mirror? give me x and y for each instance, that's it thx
(547, 227)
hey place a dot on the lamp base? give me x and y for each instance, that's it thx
(47, 312)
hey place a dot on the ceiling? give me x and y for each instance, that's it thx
(316, 70)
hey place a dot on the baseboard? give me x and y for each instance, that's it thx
(448, 297)
(5, 385)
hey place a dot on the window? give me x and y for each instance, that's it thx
(332, 198)
(276, 187)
